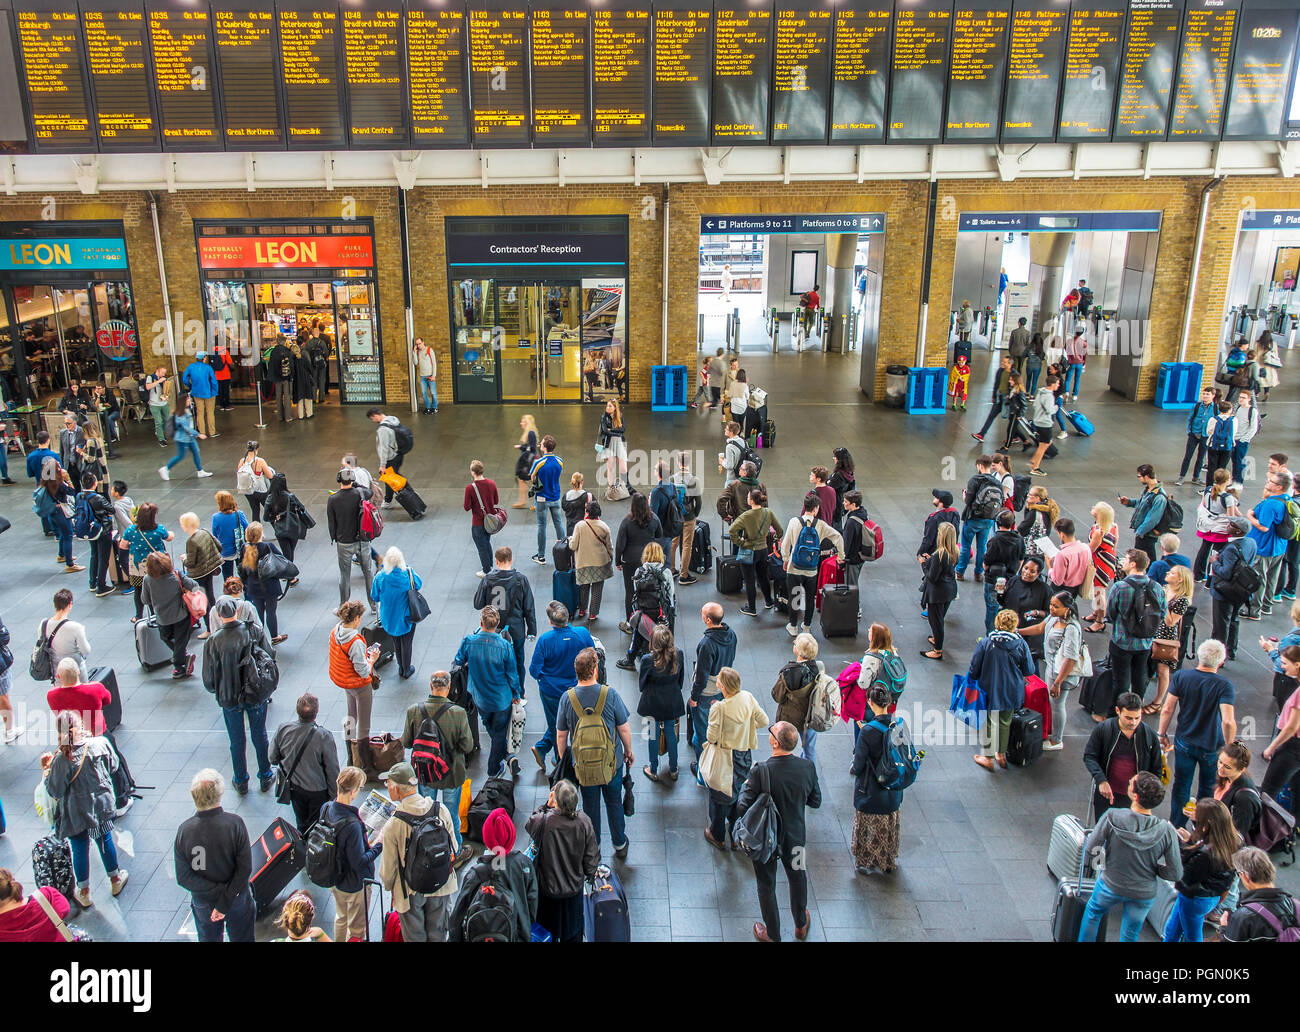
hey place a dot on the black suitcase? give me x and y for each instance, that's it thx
(562, 556)
(1026, 740)
(460, 695)
(1097, 693)
(496, 792)
(411, 502)
(701, 549)
(728, 577)
(277, 857)
(113, 708)
(839, 611)
(376, 635)
(769, 434)
(1067, 913)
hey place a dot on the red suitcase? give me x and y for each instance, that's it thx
(1038, 699)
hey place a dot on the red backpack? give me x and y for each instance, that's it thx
(372, 522)
(873, 542)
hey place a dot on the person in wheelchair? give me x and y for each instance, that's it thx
(654, 603)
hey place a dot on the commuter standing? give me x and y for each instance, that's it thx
(343, 515)
(1148, 521)
(201, 382)
(213, 861)
(307, 755)
(545, 473)
(426, 368)
(1197, 421)
(494, 682)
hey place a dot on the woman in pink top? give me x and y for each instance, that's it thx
(26, 920)
(1283, 753)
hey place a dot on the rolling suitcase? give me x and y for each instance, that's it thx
(113, 708)
(839, 611)
(1026, 740)
(727, 576)
(604, 909)
(151, 650)
(461, 696)
(564, 589)
(562, 556)
(1097, 693)
(376, 635)
(1065, 847)
(411, 502)
(1067, 913)
(1081, 423)
(701, 549)
(278, 855)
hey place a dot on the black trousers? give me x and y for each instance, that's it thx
(1129, 670)
(287, 545)
(223, 393)
(176, 635)
(1195, 446)
(794, 862)
(935, 612)
(1226, 625)
(1148, 543)
(1201, 564)
(629, 571)
(561, 916)
(803, 598)
(306, 807)
(100, 556)
(756, 572)
(206, 584)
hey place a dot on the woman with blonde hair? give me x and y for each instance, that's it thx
(1218, 506)
(202, 556)
(528, 451)
(612, 442)
(734, 720)
(574, 503)
(94, 455)
(299, 912)
(1178, 596)
(264, 593)
(391, 589)
(1103, 539)
(939, 587)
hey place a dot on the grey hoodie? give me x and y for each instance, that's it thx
(1138, 848)
(1044, 407)
(386, 441)
(357, 653)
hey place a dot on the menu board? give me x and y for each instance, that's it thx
(801, 65)
(49, 39)
(374, 60)
(1034, 70)
(860, 71)
(979, 61)
(1261, 72)
(921, 35)
(1092, 57)
(309, 61)
(117, 60)
(184, 77)
(498, 71)
(245, 40)
(435, 72)
(1204, 60)
(683, 61)
(1147, 72)
(742, 59)
(559, 48)
(620, 74)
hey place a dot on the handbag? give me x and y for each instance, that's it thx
(969, 701)
(284, 778)
(274, 566)
(393, 479)
(66, 931)
(493, 519)
(745, 556)
(417, 607)
(385, 751)
(715, 767)
(196, 599)
(518, 721)
(1162, 649)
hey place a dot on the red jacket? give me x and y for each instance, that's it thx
(28, 923)
(86, 700)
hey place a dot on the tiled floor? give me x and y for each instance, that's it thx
(974, 844)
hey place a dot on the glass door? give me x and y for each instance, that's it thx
(116, 337)
(228, 309)
(38, 330)
(11, 392)
(519, 315)
(562, 333)
(475, 340)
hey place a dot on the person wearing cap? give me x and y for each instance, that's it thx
(502, 868)
(223, 654)
(343, 516)
(943, 512)
(201, 382)
(1240, 548)
(423, 915)
(457, 741)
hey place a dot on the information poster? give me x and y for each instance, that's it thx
(604, 340)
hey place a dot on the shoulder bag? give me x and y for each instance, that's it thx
(759, 829)
(274, 566)
(284, 778)
(493, 519)
(196, 599)
(65, 933)
(417, 607)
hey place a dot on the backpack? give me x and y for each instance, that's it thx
(688, 504)
(670, 520)
(1145, 614)
(988, 500)
(426, 864)
(899, 761)
(323, 856)
(84, 523)
(1289, 934)
(41, 667)
(892, 674)
(824, 703)
(429, 755)
(872, 544)
(592, 745)
(169, 425)
(1021, 491)
(490, 916)
(807, 551)
(1242, 582)
(1288, 525)
(649, 592)
(747, 454)
(759, 829)
(1242, 376)
(258, 674)
(405, 439)
(52, 865)
(1224, 434)
(1172, 518)
(372, 523)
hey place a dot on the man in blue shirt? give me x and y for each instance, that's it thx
(1207, 720)
(1265, 518)
(545, 473)
(201, 382)
(552, 669)
(1197, 421)
(494, 683)
(1148, 510)
(35, 459)
(1169, 558)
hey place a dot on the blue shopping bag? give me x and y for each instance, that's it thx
(968, 700)
(540, 934)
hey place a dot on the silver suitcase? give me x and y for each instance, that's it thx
(152, 651)
(1066, 847)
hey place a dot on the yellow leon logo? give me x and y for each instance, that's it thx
(288, 252)
(40, 254)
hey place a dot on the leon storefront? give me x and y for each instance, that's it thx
(264, 278)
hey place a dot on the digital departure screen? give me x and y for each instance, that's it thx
(435, 58)
(184, 76)
(683, 63)
(250, 92)
(860, 71)
(978, 66)
(921, 37)
(117, 58)
(54, 76)
(742, 60)
(1261, 72)
(1034, 70)
(498, 68)
(620, 74)
(309, 62)
(801, 64)
(1204, 60)
(559, 46)
(374, 60)
(1092, 55)
(1147, 71)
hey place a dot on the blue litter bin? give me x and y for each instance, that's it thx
(1178, 385)
(926, 390)
(668, 388)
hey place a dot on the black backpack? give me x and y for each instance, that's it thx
(426, 865)
(1143, 617)
(650, 593)
(670, 519)
(1172, 518)
(1241, 583)
(405, 439)
(988, 499)
(490, 916)
(323, 856)
(429, 754)
(1021, 491)
(747, 454)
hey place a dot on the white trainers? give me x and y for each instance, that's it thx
(792, 630)
(164, 472)
(13, 736)
(1053, 746)
(118, 883)
(480, 574)
(204, 473)
(82, 897)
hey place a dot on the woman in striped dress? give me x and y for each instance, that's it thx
(1102, 539)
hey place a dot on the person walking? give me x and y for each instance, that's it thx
(202, 556)
(939, 586)
(351, 667)
(1134, 610)
(877, 824)
(424, 916)
(1042, 413)
(343, 516)
(1198, 420)
(801, 557)
(510, 592)
(264, 592)
(567, 852)
(983, 501)
(55, 501)
(161, 590)
(186, 438)
(734, 720)
(1000, 664)
(287, 516)
(480, 499)
(1001, 381)
(159, 386)
(529, 448)
(494, 682)
(389, 437)
(593, 561)
(1207, 719)
(306, 754)
(552, 669)
(426, 368)
(1117, 749)
(201, 382)
(660, 677)
(391, 592)
(213, 861)
(545, 472)
(253, 479)
(144, 537)
(238, 692)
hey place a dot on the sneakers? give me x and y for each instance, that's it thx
(1062, 436)
(792, 630)
(204, 472)
(241, 787)
(463, 857)
(621, 851)
(625, 627)
(688, 579)
(1179, 482)
(539, 559)
(74, 568)
(1038, 472)
(13, 736)
(105, 592)
(118, 882)
(1053, 746)
(265, 784)
(479, 574)
(978, 437)
(388, 504)
(164, 472)
(128, 590)
(625, 664)
(83, 899)
(748, 612)
(769, 605)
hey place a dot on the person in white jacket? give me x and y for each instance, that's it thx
(1247, 417)
(801, 569)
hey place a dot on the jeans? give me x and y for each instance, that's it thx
(1073, 374)
(1187, 921)
(110, 429)
(81, 856)
(1129, 670)
(1190, 760)
(1059, 714)
(796, 873)
(977, 531)
(1101, 901)
(550, 707)
(429, 393)
(994, 412)
(1195, 446)
(809, 739)
(722, 808)
(238, 922)
(1239, 459)
(497, 725)
(184, 448)
(483, 543)
(1227, 624)
(1268, 568)
(101, 554)
(346, 552)
(1032, 373)
(991, 603)
(669, 728)
(451, 798)
(238, 743)
(557, 518)
(613, 795)
(63, 532)
(700, 722)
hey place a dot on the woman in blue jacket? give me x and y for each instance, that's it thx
(391, 589)
(186, 438)
(356, 857)
(1001, 663)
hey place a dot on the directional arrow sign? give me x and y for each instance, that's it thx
(772, 225)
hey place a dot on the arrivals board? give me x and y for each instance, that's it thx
(435, 74)
(1092, 59)
(498, 73)
(742, 61)
(860, 71)
(683, 67)
(117, 58)
(311, 75)
(1261, 71)
(620, 74)
(1147, 70)
(1204, 60)
(374, 62)
(54, 76)
(180, 40)
(560, 34)
(250, 92)
(920, 61)
(801, 64)
(977, 69)
(1034, 70)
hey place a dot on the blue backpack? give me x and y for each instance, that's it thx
(1224, 432)
(899, 761)
(84, 523)
(807, 551)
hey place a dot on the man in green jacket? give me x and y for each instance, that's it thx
(457, 743)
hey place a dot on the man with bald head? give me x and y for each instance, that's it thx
(717, 649)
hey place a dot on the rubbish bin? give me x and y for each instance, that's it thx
(895, 386)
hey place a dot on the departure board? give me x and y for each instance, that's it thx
(1034, 70)
(801, 66)
(921, 36)
(559, 48)
(49, 39)
(1204, 60)
(978, 66)
(1092, 56)
(498, 70)
(620, 74)
(309, 68)
(1261, 72)
(250, 94)
(742, 61)
(435, 58)
(374, 60)
(1147, 71)
(117, 59)
(683, 63)
(860, 71)
(184, 76)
